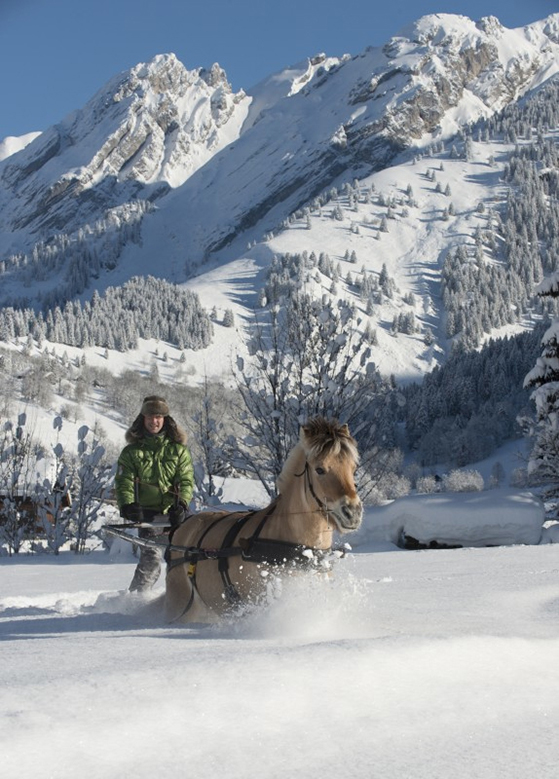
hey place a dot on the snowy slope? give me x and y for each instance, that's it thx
(413, 248)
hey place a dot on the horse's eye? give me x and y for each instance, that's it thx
(320, 470)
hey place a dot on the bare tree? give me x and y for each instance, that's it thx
(91, 480)
(309, 359)
(52, 499)
(17, 457)
(209, 432)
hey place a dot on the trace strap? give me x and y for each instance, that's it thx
(191, 553)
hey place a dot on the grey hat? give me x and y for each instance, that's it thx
(154, 406)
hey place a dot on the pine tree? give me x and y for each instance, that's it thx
(543, 466)
(228, 318)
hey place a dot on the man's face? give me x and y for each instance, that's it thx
(154, 423)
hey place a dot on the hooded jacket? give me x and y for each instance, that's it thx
(154, 471)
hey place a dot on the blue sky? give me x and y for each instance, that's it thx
(55, 54)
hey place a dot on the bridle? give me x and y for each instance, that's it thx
(322, 506)
(272, 552)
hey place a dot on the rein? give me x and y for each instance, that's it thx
(254, 549)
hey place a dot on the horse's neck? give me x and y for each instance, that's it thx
(297, 516)
(298, 524)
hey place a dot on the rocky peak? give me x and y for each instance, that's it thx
(446, 59)
(551, 27)
(158, 123)
(215, 77)
(490, 25)
(163, 74)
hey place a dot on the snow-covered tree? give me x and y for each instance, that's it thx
(543, 467)
(51, 496)
(228, 318)
(91, 480)
(427, 484)
(17, 458)
(467, 480)
(309, 359)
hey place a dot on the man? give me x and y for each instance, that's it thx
(154, 476)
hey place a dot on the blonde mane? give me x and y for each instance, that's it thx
(319, 438)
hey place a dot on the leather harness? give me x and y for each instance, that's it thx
(270, 552)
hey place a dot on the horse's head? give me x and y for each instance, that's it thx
(331, 460)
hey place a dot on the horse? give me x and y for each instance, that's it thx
(217, 560)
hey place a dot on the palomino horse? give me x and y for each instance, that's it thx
(218, 559)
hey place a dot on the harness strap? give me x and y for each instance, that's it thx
(308, 483)
(231, 592)
(188, 606)
(272, 552)
(251, 545)
(193, 554)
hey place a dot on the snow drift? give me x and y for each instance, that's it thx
(490, 518)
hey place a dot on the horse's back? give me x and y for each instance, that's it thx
(209, 527)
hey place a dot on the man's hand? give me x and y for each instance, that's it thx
(177, 514)
(133, 512)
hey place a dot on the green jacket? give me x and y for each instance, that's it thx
(162, 468)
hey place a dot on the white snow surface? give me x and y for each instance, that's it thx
(12, 144)
(492, 517)
(438, 663)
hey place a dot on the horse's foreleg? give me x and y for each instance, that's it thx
(182, 601)
(179, 594)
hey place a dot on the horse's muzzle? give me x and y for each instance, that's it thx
(349, 516)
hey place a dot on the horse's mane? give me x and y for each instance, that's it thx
(324, 437)
(319, 438)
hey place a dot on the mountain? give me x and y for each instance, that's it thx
(167, 172)
(144, 132)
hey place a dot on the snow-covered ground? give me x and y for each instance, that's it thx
(400, 665)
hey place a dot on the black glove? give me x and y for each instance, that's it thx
(133, 512)
(177, 514)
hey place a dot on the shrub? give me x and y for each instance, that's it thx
(463, 481)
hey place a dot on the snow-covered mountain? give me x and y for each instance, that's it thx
(145, 131)
(167, 172)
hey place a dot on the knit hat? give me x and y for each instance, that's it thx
(154, 406)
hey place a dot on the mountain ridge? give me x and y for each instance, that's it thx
(122, 208)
